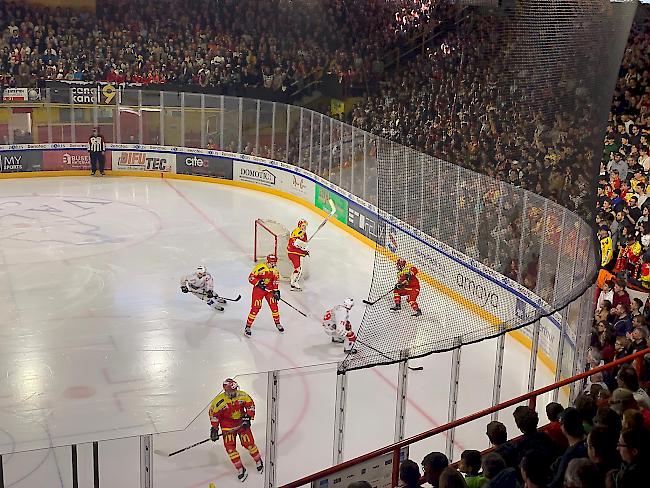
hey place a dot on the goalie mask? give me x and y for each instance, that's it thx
(302, 224)
(230, 387)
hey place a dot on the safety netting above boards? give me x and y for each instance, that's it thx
(520, 93)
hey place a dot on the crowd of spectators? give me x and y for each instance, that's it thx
(219, 44)
(601, 441)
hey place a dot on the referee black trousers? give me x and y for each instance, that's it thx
(97, 160)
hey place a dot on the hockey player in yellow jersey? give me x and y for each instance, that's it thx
(233, 411)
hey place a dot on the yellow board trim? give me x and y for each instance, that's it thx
(455, 296)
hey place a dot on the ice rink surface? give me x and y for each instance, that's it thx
(97, 342)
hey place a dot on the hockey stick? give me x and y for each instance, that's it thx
(287, 303)
(368, 302)
(184, 449)
(231, 299)
(416, 368)
(218, 307)
(329, 216)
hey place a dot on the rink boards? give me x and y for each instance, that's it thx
(477, 288)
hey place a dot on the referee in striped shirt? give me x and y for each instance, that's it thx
(96, 149)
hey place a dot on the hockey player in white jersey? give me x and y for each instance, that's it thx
(336, 324)
(200, 284)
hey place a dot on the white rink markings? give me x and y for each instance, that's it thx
(102, 344)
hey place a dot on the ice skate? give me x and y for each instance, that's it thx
(396, 308)
(417, 313)
(338, 340)
(260, 466)
(247, 331)
(279, 327)
(220, 300)
(350, 351)
(242, 475)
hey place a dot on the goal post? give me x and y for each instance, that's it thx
(272, 237)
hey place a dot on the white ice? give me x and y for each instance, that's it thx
(98, 342)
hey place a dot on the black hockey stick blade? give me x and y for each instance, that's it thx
(231, 299)
(368, 302)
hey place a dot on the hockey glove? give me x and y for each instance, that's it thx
(214, 434)
(306, 252)
(184, 289)
(209, 294)
(246, 423)
(276, 295)
(261, 285)
(348, 325)
(399, 286)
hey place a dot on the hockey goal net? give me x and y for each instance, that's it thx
(272, 237)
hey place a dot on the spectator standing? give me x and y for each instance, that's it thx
(628, 379)
(496, 472)
(572, 428)
(535, 470)
(409, 474)
(582, 473)
(433, 465)
(450, 478)
(554, 428)
(96, 149)
(498, 436)
(633, 449)
(601, 449)
(527, 419)
(470, 466)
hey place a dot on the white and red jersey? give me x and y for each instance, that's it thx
(196, 284)
(336, 321)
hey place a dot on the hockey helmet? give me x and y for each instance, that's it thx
(272, 259)
(348, 303)
(200, 270)
(401, 263)
(230, 386)
(303, 222)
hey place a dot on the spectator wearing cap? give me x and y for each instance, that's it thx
(621, 400)
(433, 465)
(606, 249)
(498, 436)
(526, 420)
(573, 430)
(601, 449)
(470, 466)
